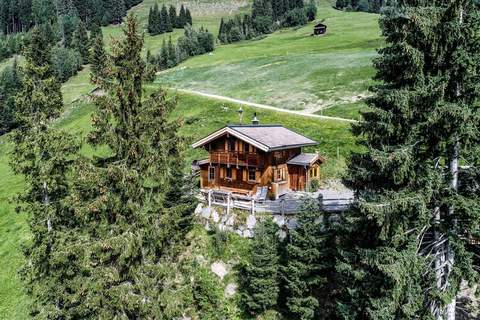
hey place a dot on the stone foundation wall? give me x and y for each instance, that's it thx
(239, 221)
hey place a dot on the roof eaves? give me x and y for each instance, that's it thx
(290, 146)
(233, 132)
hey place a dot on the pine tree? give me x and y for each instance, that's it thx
(129, 230)
(311, 10)
(261, 282)
(164, 56)
(150, 21)
(155, 24)
(172, 54)
(221, 31)
(80, 41)
(98, 60)
(407, 237)
(118, 11)
(172, 13)
(42, 155)
(167, 24)
(182, 20)
(304, 272)
(10, 84)
(188, 17)
(95, 31)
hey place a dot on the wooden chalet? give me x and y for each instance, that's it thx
(319, 29)
(246, 158)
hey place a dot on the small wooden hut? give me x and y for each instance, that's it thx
(319, 29)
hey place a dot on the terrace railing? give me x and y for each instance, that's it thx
(239, 158)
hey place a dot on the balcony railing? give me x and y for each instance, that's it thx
(236, 158)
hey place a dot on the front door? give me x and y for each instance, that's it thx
(293, 175)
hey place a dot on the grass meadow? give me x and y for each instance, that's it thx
(292, 69)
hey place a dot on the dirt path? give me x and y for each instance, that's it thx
(261, 106)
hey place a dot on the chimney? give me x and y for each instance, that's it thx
(255, 120)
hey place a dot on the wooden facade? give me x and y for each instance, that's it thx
(241, 166)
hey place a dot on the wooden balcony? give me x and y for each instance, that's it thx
(238, 158)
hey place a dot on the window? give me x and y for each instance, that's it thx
(279, 174)
(211, 173)
(231, 145)
(252, 175)
(246, 147)
(229, 173)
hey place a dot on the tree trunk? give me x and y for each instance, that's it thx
(450, 308)
(46, 202)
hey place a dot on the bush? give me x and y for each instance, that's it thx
(314, 185)
(295, 17)
(263, 24)
(207, 295)
(10, 45)
(66, 63)
(220, 243)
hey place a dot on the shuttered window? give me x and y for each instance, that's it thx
(211, 173)
(252, 175)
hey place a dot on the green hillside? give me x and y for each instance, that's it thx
(289, 69)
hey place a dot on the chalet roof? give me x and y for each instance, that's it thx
(320, 25)
(264, 137)
(305, 159)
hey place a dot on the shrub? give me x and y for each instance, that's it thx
(220, 241)
(263, 24)
(207, 295)
(66, 63)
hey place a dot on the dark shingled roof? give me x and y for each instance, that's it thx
(275, 137)
(304, 159)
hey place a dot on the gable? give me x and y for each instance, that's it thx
(264, 137)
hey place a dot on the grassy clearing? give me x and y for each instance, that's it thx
(291, 69)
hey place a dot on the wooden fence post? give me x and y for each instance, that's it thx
(253, 206)
(210, 198)
(228, 203)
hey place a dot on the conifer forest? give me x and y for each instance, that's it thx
(259, 159)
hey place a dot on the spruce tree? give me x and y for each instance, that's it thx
(188, 17)
(172, 54)
(130, 231)
(80, 41)
(162, 20)
(118, 11)
(10, 84)
(221, 31)
(304, 272)
(98, 60)
(172, 13)
(182, 20)
(150, 21)
(404, 244)
(261, 274)
(167, 24)
(164, 56)
(42, 155)
(95, 31)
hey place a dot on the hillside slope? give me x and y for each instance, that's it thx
(290, 68)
